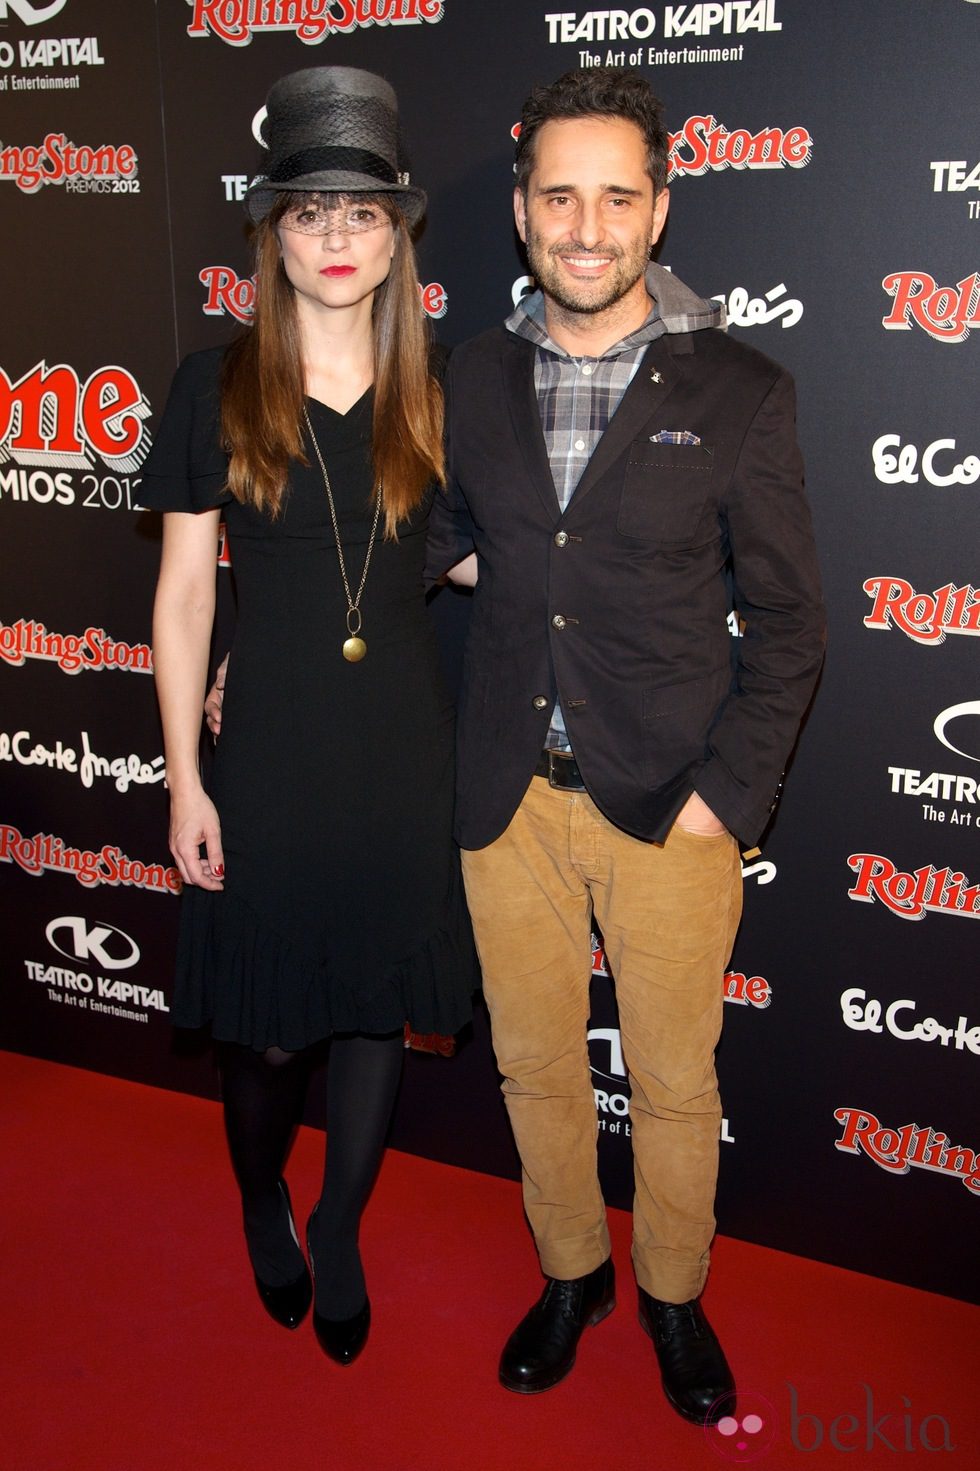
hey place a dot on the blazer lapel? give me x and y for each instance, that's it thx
(517, 366)
(653, 383)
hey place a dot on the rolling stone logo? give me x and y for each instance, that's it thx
(912, 895)
(946, 312)
(924, 617)
(703, 144)
(48, 417)
(72, 652)
(901, 1149)
(311, 21)
(231, 295)
(109, 865)
(108, 168)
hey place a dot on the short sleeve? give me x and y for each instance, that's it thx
(186, 469)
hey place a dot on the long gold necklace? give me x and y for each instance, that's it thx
(354, 646)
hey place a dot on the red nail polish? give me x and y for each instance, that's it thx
(219, 870)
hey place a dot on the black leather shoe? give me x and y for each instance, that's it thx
(288, 1303)
(340, 1338)
(696, 1378)
(541, 1349)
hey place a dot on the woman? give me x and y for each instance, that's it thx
(326, 902)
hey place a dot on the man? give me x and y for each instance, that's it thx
(619, 465)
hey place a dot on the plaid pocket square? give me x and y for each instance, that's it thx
(674, 436)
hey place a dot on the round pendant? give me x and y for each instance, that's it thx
(354, 649)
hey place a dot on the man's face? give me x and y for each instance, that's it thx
(589, 218)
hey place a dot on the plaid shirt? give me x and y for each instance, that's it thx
(577, 396)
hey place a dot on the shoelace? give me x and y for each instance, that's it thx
(569, 1295)
(670, 1316)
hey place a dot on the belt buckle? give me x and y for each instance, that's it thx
(559, 757)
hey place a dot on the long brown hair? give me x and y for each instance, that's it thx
(262, 390)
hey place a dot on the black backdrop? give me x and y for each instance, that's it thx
(826, 183)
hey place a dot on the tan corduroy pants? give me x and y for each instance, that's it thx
(668, 915)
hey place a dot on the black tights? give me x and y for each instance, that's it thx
(263, 1095)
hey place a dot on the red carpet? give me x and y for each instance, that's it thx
(134, 1340)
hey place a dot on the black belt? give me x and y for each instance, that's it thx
(561, 769)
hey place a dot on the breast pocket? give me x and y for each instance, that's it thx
(666, 496)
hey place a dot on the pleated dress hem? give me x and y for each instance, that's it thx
(256, 988)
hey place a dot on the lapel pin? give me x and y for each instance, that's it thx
(656, 377)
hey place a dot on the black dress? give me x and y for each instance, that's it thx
(342, 907)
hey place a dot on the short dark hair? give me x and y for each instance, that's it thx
(603, 92)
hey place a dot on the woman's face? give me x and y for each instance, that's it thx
(336, 251)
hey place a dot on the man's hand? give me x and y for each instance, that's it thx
(215, 699)
(697, 817)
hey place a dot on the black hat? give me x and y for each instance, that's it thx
(332, 130)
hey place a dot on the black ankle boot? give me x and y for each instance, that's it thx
(541, 1349)
(696, 1378)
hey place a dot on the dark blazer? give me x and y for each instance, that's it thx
(619, 605)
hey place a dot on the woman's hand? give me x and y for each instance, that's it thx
(697, 817)
(193, 821)
(216, 698)
(465, 573)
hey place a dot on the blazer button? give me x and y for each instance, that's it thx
(561, 538)
(540, 702)
(558, 621)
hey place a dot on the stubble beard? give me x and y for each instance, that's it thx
(630, 267)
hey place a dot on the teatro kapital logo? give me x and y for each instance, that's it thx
(102, 944)
(31, 13)
(735, 18)
(957, 791)
(94, 948)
